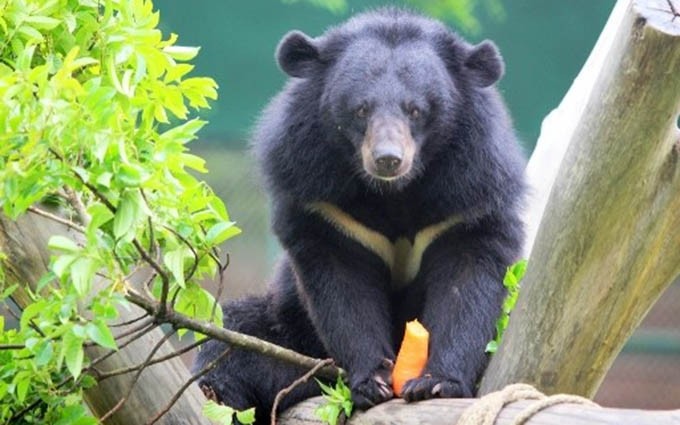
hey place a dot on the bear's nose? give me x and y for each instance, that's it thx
(387, 164)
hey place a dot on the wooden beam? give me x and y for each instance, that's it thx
(448, 411)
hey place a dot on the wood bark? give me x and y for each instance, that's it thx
(25, 243)
(448, 411)
(609, 240)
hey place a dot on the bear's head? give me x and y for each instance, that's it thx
(394, 87)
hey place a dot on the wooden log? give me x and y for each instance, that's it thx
(448, 411)
(609, 240)
(25, 243)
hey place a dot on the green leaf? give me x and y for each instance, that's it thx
(181, 53)
(217, 412)
(183, 133)
(217, 206)
(8, 291)
(61, 265)
(82, 273)
(515, 273)
(23, 384)
(99, 215)
(62, 243)
(73, 353)
(31, 311)
(4, 388)
(328, 413)
(43, 353)
(220, 232)
(100, 333)
(131, 210)
(42, 22)
(511, 281)
(104, 179)
(45, 280)
(338, 399)
(174, 261)
(75, 414)
(31, 33)
(246, 417)
(88, 381)
(194, 162)
(327, 390)
(129, 175)
(176, 72)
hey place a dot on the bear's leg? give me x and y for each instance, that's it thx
(464, 293)
(245, 379)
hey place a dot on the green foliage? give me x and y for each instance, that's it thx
(338, 401)
(335, 6)
(511, 281)
(463, 13)
(224, 415)
(95, 113)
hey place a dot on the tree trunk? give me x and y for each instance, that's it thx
(609, 240)
(25, 243)
(448, 411)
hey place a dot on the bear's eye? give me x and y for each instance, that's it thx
(361, 111)
(414, 113)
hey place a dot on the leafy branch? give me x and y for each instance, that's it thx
(98, 109)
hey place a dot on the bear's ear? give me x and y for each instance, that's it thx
(297, 54)
(485, 64)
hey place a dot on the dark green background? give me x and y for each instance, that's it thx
(544, 44)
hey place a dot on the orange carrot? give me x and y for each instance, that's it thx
(412, 355)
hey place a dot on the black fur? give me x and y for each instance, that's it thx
(330, 295)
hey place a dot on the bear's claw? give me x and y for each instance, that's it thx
(426, 387)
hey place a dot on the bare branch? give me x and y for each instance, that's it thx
(190, 381)
(135, 329)
(56, 218)
(104, 375)
(12, 347)
(236, 339)
(165, 280)
(301, 380)
(77, 203)
(122, 401)
(129, 322)
(184, 240)
(220, 285)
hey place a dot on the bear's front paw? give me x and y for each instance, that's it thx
(428, 386)
(375, 389)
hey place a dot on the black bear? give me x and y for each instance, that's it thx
(396, 180)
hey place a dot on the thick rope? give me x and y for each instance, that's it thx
(485, 411)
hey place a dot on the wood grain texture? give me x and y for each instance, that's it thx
(447, 412)
(25, 243)
(609, 240)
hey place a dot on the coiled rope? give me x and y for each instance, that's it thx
(485, 411)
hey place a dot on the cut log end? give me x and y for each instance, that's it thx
(662, 15)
